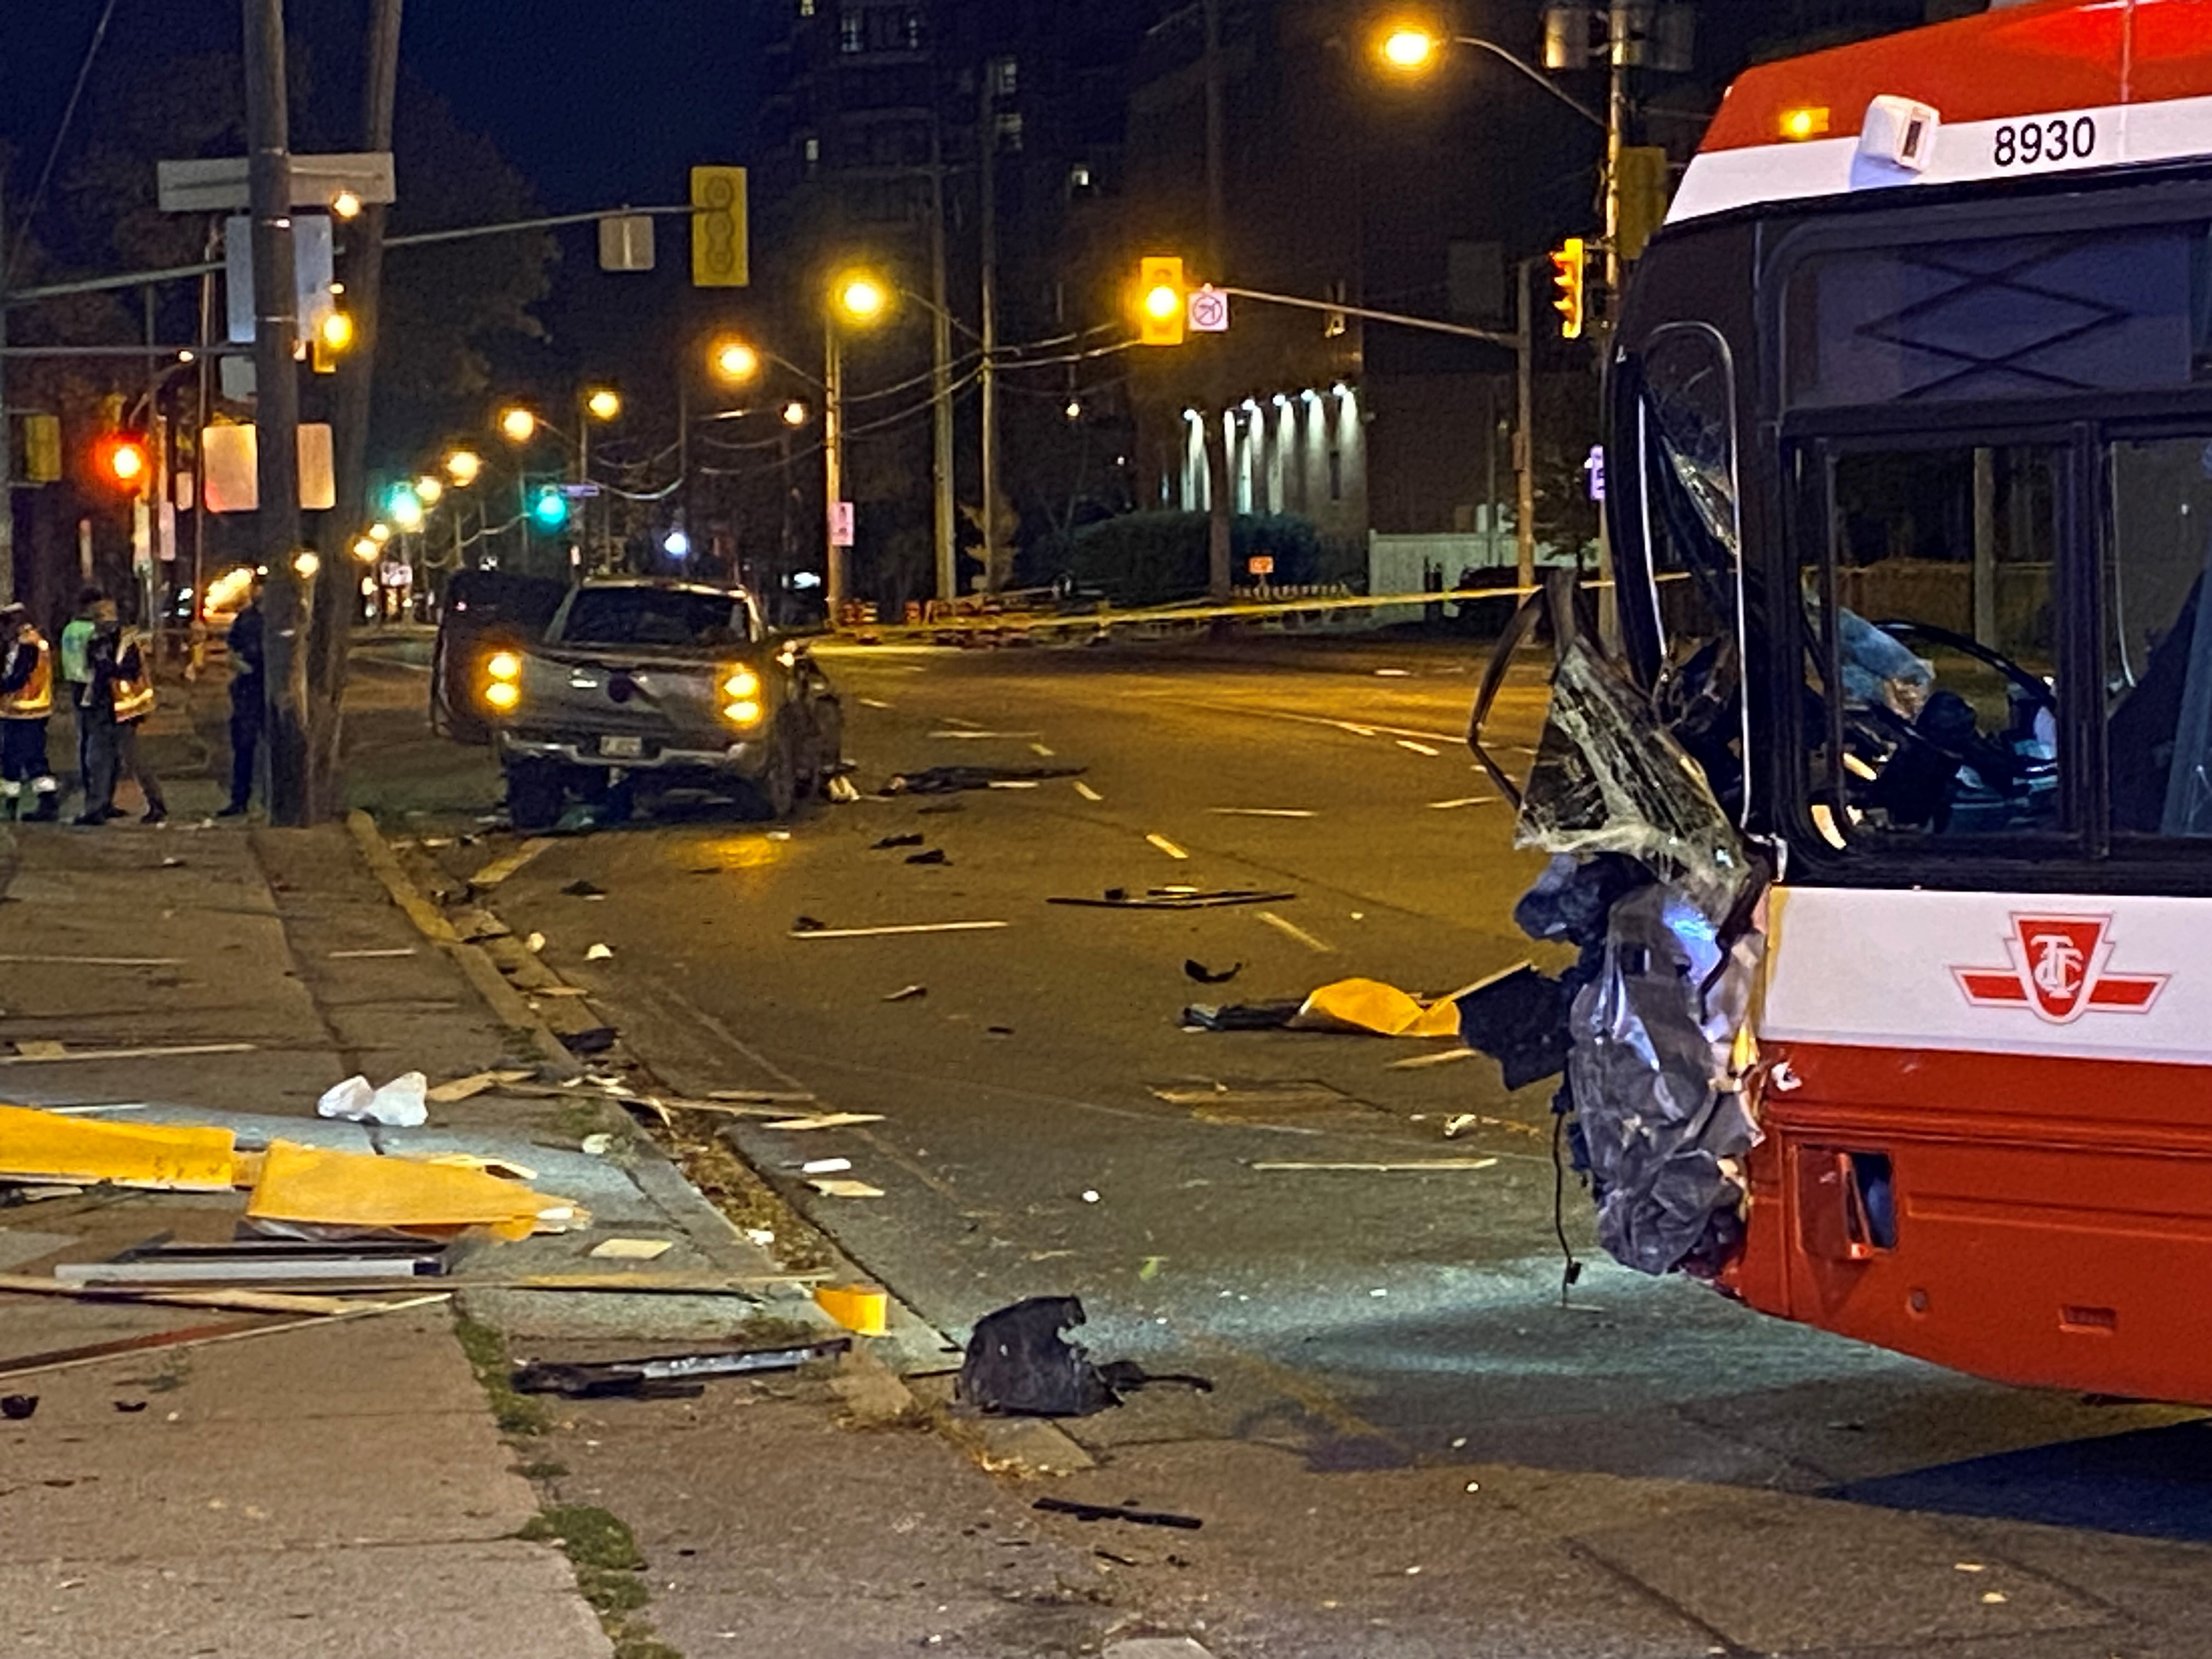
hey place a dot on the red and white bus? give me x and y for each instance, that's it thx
(1916, 388)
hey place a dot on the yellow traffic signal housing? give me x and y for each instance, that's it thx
(1570, 271)
(42, 448)
(1643, 197)
(1162, 299)
(721, 254)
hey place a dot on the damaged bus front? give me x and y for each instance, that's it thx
(1885, 841)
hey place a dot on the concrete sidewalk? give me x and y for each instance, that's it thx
(333, 1489)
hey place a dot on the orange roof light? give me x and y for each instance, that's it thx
(1811, 121)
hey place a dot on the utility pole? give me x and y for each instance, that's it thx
(987, 217)
(277, 409)
(1617, 44)
(833, 468)
(1220, 508)
(946, 516)
(1524, 434)
(7, 432)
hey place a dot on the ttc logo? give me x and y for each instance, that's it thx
(2058, 970)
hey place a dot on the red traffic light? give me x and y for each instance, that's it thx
(123, 458)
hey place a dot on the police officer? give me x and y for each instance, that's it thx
(246, 699)
(27, 698)
(117, 698)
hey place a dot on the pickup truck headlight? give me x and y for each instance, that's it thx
(746, 711)
(503, 666)
(742, 683)
(502, 695)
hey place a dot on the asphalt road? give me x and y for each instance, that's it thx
(1462, 1460)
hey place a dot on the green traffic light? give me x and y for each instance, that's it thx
(550, 509)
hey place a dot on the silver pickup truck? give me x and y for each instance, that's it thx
(652, 684)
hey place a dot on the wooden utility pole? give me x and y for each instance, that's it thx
(337, 603)
(289, 596)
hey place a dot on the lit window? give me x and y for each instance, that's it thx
(1010, 130)
(814, 151)
(1078, 176)
(1005, 76)
(913, 30)
(851, 32)
(807, 8)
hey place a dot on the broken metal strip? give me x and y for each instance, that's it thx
(200, 1337)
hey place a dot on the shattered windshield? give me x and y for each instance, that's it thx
(1686, 398)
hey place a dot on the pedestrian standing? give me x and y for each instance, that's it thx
(248, 702)
(76, 641)
(27, 699)
(117, 698)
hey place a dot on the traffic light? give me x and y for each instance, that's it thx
(1161, 299)
(548, 510)
(1570, 268)
(122, 459)
(720, 256)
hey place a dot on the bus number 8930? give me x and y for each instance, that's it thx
(2032, 144)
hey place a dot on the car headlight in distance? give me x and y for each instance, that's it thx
(502, 695)
(503, 666)
(746, 711)
(742, 683)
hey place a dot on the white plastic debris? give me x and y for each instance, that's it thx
(762, 1237)
(536, 942)
(826, 1166)
(599, 953)
(1089, 1196)
(596, 1145)
(399, 1103)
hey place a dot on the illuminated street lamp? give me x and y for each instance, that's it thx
(602, 404)
(861, 298)
(462, 466)
(518, 425)
(379, 533)
(428, 488)
(794, 413)
(734, 359)
(1409, 48)
(365, 549)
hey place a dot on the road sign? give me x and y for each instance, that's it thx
(626, 242)
(313, 268)
(230, 458)
(840, 524)
(1260, 564)
(219, 186)
(576, 492)
(1594, 464)
(1208, 311)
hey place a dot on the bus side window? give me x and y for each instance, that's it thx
(1942, 560)
(2158, 637)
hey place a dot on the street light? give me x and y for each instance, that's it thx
(862, 298)
(1409, 48)
(734, 359)
(518, 425)
(428, 488)
(364, 549)
(794, 413)
(462, 466)
(379, 533)
(602, 404)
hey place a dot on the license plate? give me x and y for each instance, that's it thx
(622, 748)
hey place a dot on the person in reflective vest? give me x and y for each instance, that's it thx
(75, 641)
(27, 699)
(117, 698)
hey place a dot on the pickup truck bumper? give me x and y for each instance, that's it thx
(746, 759)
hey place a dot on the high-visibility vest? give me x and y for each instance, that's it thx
(134, 699)
(36, 696)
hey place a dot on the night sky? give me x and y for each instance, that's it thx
(596, 101)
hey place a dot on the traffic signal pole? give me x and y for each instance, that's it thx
(277, 409)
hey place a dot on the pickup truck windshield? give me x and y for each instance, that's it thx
(654, 616)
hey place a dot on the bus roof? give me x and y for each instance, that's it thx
(2049, 86)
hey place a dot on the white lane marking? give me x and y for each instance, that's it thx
(1167, 846)
(1291, 930)
(908, 927)
(1464, 801)
(1262, 812)
(873, 702)
(98, 961)
(1394, 673)
(1418, 748)
(1040, 749)
(366, 956)
(1014, 783)
(1346, 726)
(500, 869)
(1087, 792)
(973, 733)
(955, 720)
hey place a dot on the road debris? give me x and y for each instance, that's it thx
(664, 1376)
(1194, 969)
(825, 1120)
(1087, 792)
(1082, 1511)
(398, 1104)
(1463, 800)
(1442, 1057)
(596, 1145)
(16, 1408)
(1042, 750)
(372, 955)
(598, 952)
(33, 1053)
(1459, 1123)
(908, 993)
(50, 1147)
(934, 855)
(464, 1088)
(1020, 1363)
(1179, 899)
(862, 1309)
(913, 838)
(1369, 1006)
(201, 1336)
(805, 924)
(1410, 1166)
(630, 1249)
(763, 1096)
(1240, 1016)
(584, 889)
(364, 1189)
(952, 780)
(815, 1166)
(839, 1187)
(1167, 846)
(841, 790)
(591, 1040)
(820, 931)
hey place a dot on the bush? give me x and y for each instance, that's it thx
(1153, 558)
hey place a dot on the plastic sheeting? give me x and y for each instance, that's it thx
(1609, 778)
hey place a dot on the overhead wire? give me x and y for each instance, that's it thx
(7, 259)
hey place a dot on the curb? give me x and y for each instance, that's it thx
(482, 973)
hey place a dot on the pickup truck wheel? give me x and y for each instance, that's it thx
(776, 792)
(533, 796)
